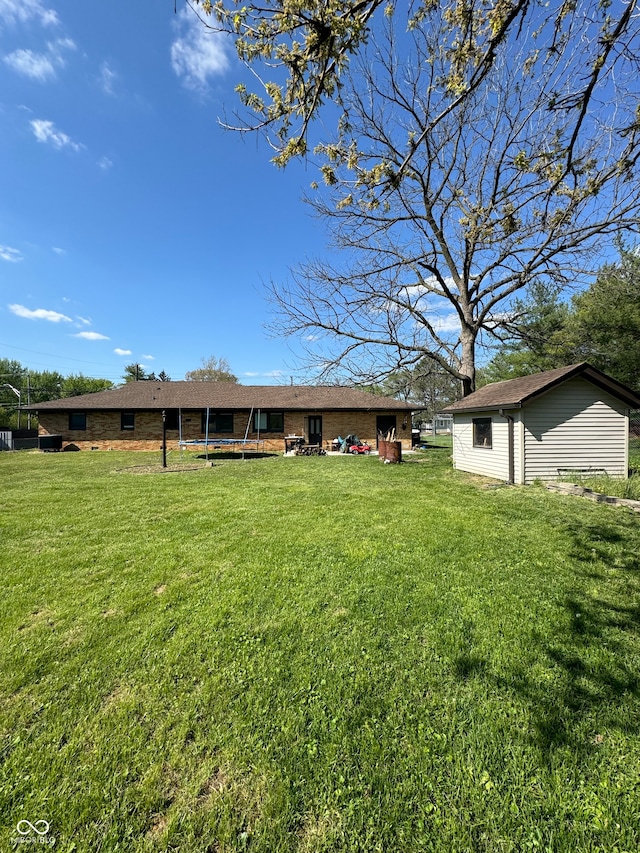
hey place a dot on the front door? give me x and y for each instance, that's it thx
(315, 430)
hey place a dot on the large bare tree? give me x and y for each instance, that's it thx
(439, 226)
(486, 146)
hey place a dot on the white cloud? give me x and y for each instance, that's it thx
(91, 336)
(58, 250)
(82, 321)
(45, 131)
(430, 285)
(446, 323)
(149, 357)
(11, 255)
(37, 66)
(107, 78)
(40, 66)
(105, 163)
(26, 11)
(39, 314)
(198, 53)
(119, 351)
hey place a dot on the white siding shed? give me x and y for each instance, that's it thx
(545, 426)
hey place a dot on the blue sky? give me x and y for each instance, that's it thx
(132, 227)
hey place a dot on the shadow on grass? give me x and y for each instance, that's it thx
(468, 663)
(593, 679)
(587, 679)
(234, 454)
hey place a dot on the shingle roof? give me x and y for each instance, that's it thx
(515, 393)
(145, 395)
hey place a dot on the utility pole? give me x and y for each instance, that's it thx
(164, 439)
(17, 393)
(28, 400)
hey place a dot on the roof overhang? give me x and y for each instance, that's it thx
(584, 370)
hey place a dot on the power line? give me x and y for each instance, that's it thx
(112, 376)
(60, 357)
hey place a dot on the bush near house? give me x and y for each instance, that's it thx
(314, 654)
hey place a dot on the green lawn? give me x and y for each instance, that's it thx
(314, 654)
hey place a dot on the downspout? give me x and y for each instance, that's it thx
(510, 420)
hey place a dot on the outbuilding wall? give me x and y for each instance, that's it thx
(104, 431)
(575, 426)
(487, 461)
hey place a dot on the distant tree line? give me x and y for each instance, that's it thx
(138, 373)
(600, 325)
(22, 386)
(211, 369)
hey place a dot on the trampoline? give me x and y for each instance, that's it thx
(207, 442)
(220, 443)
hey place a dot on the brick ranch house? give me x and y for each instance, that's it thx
(130, 417)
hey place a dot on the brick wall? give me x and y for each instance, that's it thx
(104, 429)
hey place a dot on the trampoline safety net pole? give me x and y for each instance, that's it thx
(206, 436)
(246, 432)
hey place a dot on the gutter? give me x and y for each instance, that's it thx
(491, 407)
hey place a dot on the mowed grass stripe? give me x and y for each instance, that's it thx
(314, 654)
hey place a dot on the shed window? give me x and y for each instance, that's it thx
(77, 420)
(268, 422)
(127, 420)
(482, 432)
(218, 422)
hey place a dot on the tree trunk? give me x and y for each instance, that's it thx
(468, 361)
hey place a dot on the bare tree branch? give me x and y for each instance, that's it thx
(505, 189)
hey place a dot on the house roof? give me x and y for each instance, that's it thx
(515, 393)
(228, 396)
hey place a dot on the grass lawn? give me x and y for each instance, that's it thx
(314, 654)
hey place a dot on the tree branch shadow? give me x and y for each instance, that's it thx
(588, 674)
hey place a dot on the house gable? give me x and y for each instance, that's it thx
(577, 426)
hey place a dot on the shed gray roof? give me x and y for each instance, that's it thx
(515, 393)
(145, 395)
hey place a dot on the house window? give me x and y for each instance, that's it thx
(482, 432)
(268, 422)
(218, 422)
(127, 420)
(77, 420)
(171, 419)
